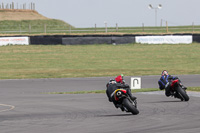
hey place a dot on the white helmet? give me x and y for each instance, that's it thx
(164, 72)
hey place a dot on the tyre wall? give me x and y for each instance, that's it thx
(45, 40)
(73, 40)
(196, 38)
(90, 39)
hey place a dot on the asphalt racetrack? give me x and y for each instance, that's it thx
(25, 107)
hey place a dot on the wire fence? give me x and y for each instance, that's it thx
(12, 6)
(47, 29)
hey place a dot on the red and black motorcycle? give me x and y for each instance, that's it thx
(178, 91)
(121, 97)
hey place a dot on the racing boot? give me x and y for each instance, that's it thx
(182, 86)
(133, 98)
(130, 95)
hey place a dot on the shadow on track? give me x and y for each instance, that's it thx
(114, 115)
(165, 102)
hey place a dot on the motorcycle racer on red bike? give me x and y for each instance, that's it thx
(113, 85)
(165, 82)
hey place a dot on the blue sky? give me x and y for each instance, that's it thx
(87, 13)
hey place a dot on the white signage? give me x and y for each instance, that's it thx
(136, 83)
(14, 41)
(185, 39)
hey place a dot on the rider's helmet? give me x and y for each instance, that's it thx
(164, 72)
(119, 79)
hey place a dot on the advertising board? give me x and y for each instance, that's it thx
(186, 39)
(14, 41)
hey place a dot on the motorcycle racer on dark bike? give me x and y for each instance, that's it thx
(166, 81)
(113, 85)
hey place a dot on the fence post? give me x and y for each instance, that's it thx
(33, 6)
(13, 5)
(20, 30)
(166, 26)
(95, 28)
(69, 29)
(106, 28)
(45, 28)
(143, 27)
(116, 27)
(192, 27)
(2, 5)
(29, 28)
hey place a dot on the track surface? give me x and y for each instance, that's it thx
(25, 108)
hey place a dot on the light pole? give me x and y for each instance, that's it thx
(158, 7)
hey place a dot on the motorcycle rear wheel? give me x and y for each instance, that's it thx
(127, 104)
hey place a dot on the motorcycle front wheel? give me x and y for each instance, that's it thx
(130, 107)
(182, 93)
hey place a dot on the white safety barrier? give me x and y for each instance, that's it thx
(14, 41)
(136, 83)
(175, 39)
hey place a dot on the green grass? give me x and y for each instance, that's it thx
(193, 89)
(101, 91)
(32, 26)
(197, 89)
(39, 61)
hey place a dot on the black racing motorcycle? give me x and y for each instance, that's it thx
(178, 92)
(122, 98)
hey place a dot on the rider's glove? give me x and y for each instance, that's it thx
(126, 86)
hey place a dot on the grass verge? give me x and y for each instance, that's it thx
(39, 61)
(197, 89)
(194, 89)
(32, 26)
